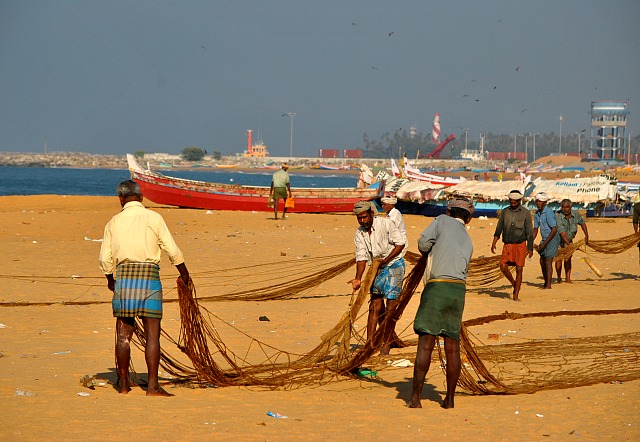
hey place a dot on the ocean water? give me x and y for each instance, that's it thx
(103, 182)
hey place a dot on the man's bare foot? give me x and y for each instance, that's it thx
(568, 281)
(559, 280)
(384, 351)
(159, 392)
(448, 402)
(414, 403)
(123, 387)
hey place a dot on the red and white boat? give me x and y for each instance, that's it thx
(162, 189)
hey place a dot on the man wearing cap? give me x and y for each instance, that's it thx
(389, 206)
(516, 227)
(545, 220)
(378, 239)
(448, 247)
(567, 222)
(280, 188)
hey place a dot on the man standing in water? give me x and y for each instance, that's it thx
(448, 245)
(545, 220)
(567, 221)
(280, 189)
(378, 239)
(516, 228)
(131, 248)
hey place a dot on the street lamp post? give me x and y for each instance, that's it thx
(465, 140)
(290, 115)
(580, 145)
(515, 145)
(534, 146)
(560, 141)
(526, 148)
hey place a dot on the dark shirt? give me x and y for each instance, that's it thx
(636, 213)
(515, 226)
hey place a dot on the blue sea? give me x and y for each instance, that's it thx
(103, 182)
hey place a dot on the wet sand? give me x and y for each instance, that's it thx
(45, 350)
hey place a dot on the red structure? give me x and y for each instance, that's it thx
(435, 153)
(328, 153)
(352, 153)
(249, 142)
(506, 156)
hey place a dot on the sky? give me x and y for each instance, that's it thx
(116, 76)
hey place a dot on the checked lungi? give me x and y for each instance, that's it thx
(440, 310)
(137, 291)
(388, 281)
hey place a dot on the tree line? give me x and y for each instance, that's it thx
(400, 142)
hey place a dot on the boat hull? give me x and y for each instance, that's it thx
(200, 195)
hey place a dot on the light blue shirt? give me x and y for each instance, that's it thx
(545, 221)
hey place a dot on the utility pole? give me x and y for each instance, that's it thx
(560, 141)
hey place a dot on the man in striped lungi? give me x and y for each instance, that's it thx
(131, 248)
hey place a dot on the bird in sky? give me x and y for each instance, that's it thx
(374, 68)
(465, 95)
(517, 68)
(390, 34)
(522, 110)
(354, 23)
(204, 47)
(495, 87)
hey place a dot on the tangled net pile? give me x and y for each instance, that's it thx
(342, 350)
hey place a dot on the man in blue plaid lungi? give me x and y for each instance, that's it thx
(131, 248)
(378, 239)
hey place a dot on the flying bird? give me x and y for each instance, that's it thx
(522, 110)
(477, 99)
(465, 95)
(354, 23)
(495, 87)
(517, 68)
(374, 68)
(500, 21)
(204, 47)
(390, 34)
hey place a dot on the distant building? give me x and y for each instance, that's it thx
(608, 129)
(255, 150)
(352, 153)
(328, 153)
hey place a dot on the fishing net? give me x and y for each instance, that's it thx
(205, 359)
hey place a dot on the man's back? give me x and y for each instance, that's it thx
(281, 178)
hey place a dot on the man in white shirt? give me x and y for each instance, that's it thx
(389, 206)
(378, 239)
(131, 247)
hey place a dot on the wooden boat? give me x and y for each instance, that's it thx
(180, 192)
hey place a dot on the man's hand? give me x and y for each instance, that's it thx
(530, 253)
(355, 284)
(493, 248)
(111, 283)
(586, 239)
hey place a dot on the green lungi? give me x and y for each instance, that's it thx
(440, 310)
(280, 193)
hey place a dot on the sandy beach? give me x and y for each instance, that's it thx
(50, 246)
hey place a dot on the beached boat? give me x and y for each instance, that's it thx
(180, 192)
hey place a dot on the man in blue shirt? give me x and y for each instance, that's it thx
(545, 220)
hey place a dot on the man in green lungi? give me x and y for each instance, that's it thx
(448, 248)
(280, 189)
(131, 247)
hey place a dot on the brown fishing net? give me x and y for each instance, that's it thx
(342, 351)
(205, 359)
